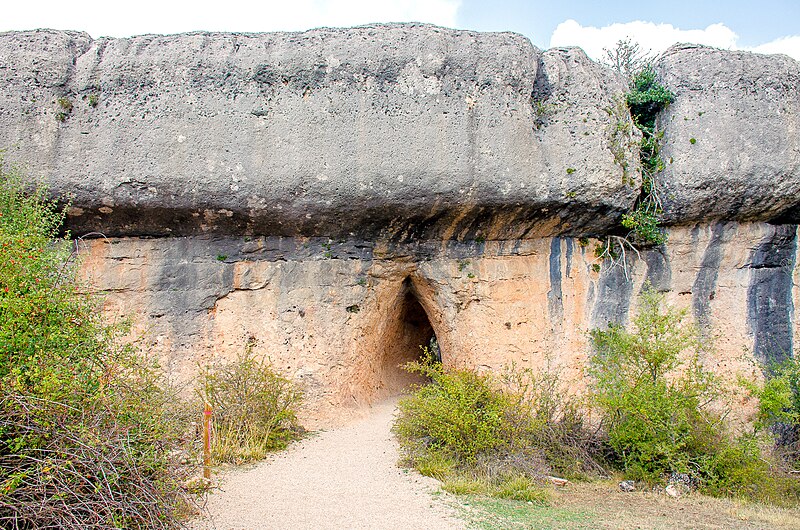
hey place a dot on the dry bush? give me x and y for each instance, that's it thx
(86, 469)
(547, 419)
(255, 408)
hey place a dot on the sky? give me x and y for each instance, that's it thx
(766, 26)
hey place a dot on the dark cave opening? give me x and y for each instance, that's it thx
(403, 342)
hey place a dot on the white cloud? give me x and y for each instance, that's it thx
(650, 36)
(788, 45)
(101, 18)
(659, 37)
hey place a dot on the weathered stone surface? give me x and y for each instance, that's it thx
(388, 132)
(393, 131)
(340, 316)
(337, 197)
(732, 136)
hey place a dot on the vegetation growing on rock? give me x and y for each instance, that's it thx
(646, 98)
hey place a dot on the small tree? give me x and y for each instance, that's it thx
(627, 58)
(653, 392)
(655, 398)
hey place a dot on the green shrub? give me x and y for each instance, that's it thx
(87, 431)
(458, 416)
(737, 469)
(254, 408)
(655, 399)
(752, 467)
(778, 414)
(652, 392)
(480, 433)
(779, 396)
(647, 98)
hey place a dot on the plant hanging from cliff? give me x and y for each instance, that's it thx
(645, 99)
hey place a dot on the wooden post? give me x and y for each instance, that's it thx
(207, 441)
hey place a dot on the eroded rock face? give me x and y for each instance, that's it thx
(341, 316)
(337, 197)
(732, 136)
(399, 131)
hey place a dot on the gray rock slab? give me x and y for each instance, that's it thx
(401, 132)
(732, 136)
(393, 131)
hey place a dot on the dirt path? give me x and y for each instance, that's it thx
(344, 478)
(348, 479)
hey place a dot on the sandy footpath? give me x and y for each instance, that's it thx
(343, 478)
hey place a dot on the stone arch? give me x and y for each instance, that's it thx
(427, 297)
(403, 317)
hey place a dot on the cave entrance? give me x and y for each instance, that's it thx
(410, 329)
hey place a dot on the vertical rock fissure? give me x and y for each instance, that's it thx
(555, 304)
(613, 298)
(705, 283)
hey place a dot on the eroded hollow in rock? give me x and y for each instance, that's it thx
(409, 329)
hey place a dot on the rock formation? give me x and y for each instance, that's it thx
(336, 197)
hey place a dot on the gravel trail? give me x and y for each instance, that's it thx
(343, 478)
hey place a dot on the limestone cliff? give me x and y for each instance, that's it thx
(743, 112)
(336, 197)
(390, 131)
